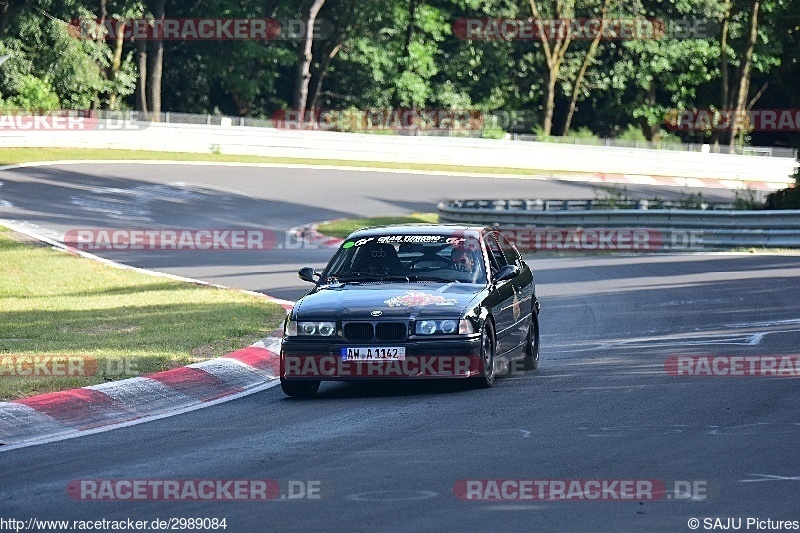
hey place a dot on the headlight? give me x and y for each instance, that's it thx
(449, 326)
(444, 327)
(426, 327)
(326, 329)
(321, 329)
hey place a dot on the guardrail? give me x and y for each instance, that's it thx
(532, 227)
(580, 205)
(171, 117)
(593, 163)
(764, 151)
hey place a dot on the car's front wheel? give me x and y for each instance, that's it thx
(300, 388)
(487, 357)
(532, 344)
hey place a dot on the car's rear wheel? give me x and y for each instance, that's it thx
(487, 358)
(306, 388)
(532, 343)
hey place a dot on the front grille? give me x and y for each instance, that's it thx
(358, 331)
(382, 331)
(390, 331)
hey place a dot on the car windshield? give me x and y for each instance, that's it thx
(408, 258)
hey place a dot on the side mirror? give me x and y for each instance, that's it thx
(308, 274)
(507, 272)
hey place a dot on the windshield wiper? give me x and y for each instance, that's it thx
(367, 276)
(435, 280)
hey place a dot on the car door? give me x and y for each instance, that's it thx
(523, 288)
(503, 297)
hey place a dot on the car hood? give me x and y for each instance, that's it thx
(393, 300)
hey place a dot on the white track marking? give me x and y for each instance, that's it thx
(769, 477)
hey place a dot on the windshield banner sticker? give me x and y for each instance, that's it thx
(400, 239)
(359, 242)
(410, 238)
(417, 298)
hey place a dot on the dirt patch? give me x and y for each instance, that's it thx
(220, 348)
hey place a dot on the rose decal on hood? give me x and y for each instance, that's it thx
(418, 298)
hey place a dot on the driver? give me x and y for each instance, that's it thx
(463, 259)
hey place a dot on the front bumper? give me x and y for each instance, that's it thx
(429, 358)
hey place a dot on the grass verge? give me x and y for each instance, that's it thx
(9, 156)
(343, 228)
(69, 322)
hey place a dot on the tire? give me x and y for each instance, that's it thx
(532, 344)
(488, 348)
(301, 388)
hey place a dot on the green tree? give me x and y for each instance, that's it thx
(34, 94)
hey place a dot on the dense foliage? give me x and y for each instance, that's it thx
(398, 54)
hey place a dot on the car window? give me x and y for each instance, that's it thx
(509, 250)
(411, 258)
(496, 256)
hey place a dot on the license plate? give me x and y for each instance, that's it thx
(374, 353)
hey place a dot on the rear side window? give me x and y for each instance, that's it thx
(509, 250)
(496, 256)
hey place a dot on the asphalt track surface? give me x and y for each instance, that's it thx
(388, 456)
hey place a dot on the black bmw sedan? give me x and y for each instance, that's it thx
(413, 301)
